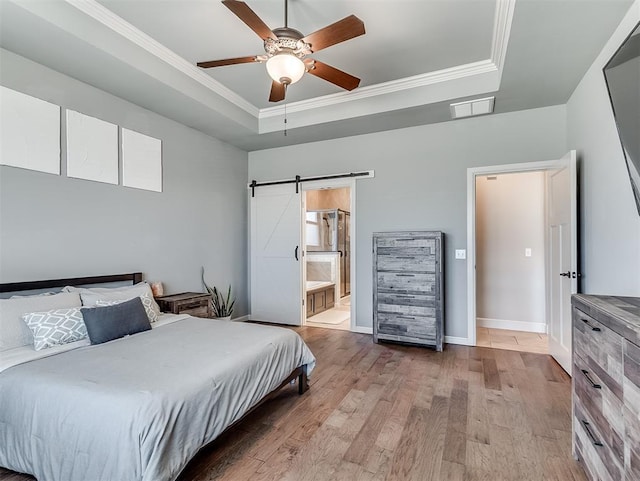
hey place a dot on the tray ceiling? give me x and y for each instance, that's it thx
(416, 57)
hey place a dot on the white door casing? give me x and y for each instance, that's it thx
(561, 349)
(562, 271)
(339, 184)
(276, 255)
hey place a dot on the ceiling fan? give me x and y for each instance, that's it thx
(286, 50)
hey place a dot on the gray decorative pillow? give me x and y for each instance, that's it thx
(147, 302)
(113, 322)
(55, 327)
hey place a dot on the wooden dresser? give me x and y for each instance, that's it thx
(408, 289)
(606, 386)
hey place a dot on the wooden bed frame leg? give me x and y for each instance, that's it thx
(303, 384)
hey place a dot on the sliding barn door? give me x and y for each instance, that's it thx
(276, 255)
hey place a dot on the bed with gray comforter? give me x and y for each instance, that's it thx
(139, 408)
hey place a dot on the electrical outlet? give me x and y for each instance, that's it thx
(461, 254)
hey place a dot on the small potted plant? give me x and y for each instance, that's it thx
(221, 306)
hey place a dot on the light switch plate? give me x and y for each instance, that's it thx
(461, 254)
(527, 252)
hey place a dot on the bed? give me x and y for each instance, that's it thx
(139, 407)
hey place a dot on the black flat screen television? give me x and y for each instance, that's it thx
(622, 76)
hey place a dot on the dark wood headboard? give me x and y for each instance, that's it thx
(134, 278)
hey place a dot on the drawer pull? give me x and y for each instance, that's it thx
(407, 239)
(593, 328)
(593, 384)
(405, 257)
(406, 317)
(594, 440)
(406, 297)
(405, 275)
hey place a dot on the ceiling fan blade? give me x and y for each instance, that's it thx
(333, 75)
(277, 92)
(227, 61)
(345, 29)
(248, 16)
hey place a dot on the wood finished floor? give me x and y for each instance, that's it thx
(388, 412)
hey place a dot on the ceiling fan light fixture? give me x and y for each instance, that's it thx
(286, 68)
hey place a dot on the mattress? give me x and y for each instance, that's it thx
(139, 408)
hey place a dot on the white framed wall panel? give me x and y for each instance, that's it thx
(29, 132)
(92, 148)
(141, 161)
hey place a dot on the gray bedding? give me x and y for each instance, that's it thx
(139, 408)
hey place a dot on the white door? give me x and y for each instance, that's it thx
(563, 256)
(276, 251)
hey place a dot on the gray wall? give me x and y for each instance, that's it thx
(510, 217)
(610, 224)
(420, 182)
(54, 226)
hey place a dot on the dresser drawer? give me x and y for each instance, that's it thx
(632, 409)
(602, 401)
(597, 344)
(598, 459)
(407, 242)
(396, 298)
(419, 328)
(408, 311)
(406, 259)
(201, 311)
(407, 282)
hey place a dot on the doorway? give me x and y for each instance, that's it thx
(561, 241)
(510, 261)
(327, 279)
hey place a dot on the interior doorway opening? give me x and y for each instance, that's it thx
(511, 261)
(328, 257)
(561, 248)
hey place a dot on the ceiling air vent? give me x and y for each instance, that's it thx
(470, 108)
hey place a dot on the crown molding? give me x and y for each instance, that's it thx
(416, 81)
(503, 18)
(123, 28)
(501, 31)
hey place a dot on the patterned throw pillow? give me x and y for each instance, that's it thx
(147, 302)
(52, 328)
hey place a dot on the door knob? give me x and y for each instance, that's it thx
(566, 274)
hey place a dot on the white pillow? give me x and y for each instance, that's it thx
(14, 332)
(90, 296)
(147, 302)
(55, 327)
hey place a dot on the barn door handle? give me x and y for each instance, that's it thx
(296, 253)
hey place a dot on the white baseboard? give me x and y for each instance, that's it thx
(463, 341)
(539, 327)
(362, 329)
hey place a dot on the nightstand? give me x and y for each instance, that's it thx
(196, 304)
